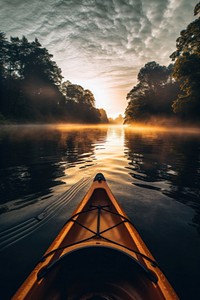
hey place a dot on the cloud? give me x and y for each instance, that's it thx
(109, 39)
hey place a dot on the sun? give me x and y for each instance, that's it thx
(100, 91)
(106, 96)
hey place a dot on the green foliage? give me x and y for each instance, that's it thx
(152, 76)
(163, 91)
(3, 55)
(103, 116)
(197, 9)
(153, 95)
(80, 104)
(189, 40)
(187, 70)
(31, 86)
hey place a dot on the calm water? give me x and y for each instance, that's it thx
(154, 174)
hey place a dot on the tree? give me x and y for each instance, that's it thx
(29, 79)
(187, 104)
(32, 89)
(3, 63)
(103, 116)
(197, 9)
(3, 55)
(74, 92)
(89, 98)
(40, 79)
(153, 95)
(80, 104)
(152, 75)
(187, 70)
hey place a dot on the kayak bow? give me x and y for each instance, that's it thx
(97, 255)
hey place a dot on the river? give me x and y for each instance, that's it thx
(153, 172)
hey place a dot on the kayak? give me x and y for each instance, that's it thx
(98, 254)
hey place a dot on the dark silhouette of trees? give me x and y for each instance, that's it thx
(152, 76)
(118, 120)
(3, 55)
(103, 116)
(32, 89)
(170, 91)
(187, 70)
(197, 9)
(3, 71)
(79, 104)
(29, 80)
(153, 95)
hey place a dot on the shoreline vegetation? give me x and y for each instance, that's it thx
(32, 87)
(171, 92)
(33, 91)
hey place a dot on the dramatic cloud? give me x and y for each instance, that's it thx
(101, 44)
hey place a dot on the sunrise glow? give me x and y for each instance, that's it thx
(102, 94)
(106, 54)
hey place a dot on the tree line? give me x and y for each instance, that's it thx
(32, 87)
(169, 91)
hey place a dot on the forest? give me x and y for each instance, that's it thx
(170, 91)
(32, 87)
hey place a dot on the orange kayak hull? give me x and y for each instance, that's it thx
(98, 254)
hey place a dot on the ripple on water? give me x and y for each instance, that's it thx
(155, 176)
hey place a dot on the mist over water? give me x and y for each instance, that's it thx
(154, 173)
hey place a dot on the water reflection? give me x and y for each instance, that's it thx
(34, 159)
(41, 163)
(166, 162)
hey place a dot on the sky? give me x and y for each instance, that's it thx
(101, 44)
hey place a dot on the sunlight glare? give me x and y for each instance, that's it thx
(100, 91)
(156, 128)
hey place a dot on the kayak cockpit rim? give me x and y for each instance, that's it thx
(101, 250)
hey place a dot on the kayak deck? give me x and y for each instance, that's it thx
(97, 255)
(99, 222)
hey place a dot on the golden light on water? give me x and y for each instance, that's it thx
(135, 128)
(179, 130)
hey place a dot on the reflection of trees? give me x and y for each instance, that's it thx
(167, 157)
(26, 162)
(34, 159)
(143, 159)
(79, 144)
